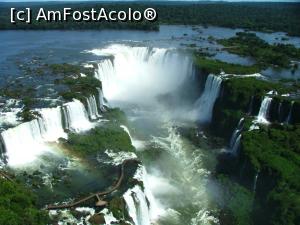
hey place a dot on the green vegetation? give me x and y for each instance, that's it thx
(248, 44)
(116, 115)
(118, 208)
(240, 90)
(106, 137)
(26, 95)
(240, 202)
(79, 86)
(69, 69)
(270, 153)
(255, 16)
(236, 99)
(18, 205)
(26, 114)
(216, 66)
(274, 153)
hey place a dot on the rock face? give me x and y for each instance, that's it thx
(97, 219)
(118, 207)
(244, 96)
(265, 160)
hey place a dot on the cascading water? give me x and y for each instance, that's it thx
(101, 100)
(235, 135)
(236, 145)
(279, 112)
(251, 106)
(289, 117)
(3, 158)
(139, 74)
(23, 143)
(193, 175)
(137, 206)
(142, 206)
(26, 141)
(205, 104)
(255, 181)
(92, 107)
(134, 76)
(136, 143)
(107, 75)
(264, 110)
(51, 125)
(75, 115)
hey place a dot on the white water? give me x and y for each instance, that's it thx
(117, 158)
(156, 209)
(236, 145)
(251, 106)
(25, 142)
(136, 143)
(289, 117)
(76, 117)
(193, 175)
(101, 100)
(235, 136)
(137, 206)
(264, 110)
(255, 181)
(92, 107)
(51, 124)
(139, 74)
(204, 105)
(279, 112)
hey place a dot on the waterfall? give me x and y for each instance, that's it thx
(137, 206)
(23, 143)
(3, 158)
(289, 117)
(106, 74)
(127, 131)
(101, 100)
(26, 141)
(236, 145)
(205, 103)
(51, 125)
(255, 182)
(236, 133)
(141, 204)
(234, 136)
(140, 74)
(279, 111)
(264, 110)
(92, 107)
(76, 118)
(250, 110)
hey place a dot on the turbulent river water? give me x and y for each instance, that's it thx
(178, 174)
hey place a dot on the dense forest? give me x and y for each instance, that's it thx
(255, 16)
